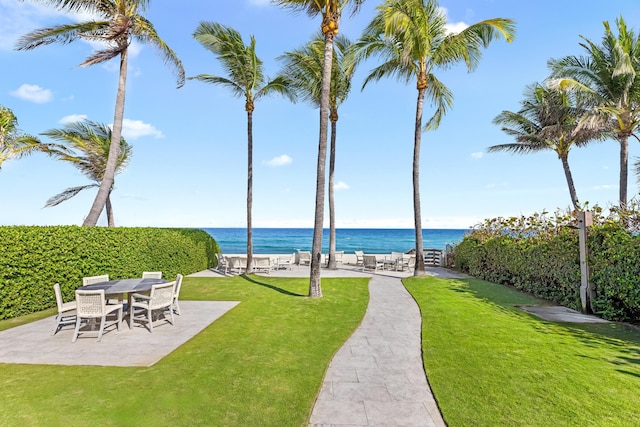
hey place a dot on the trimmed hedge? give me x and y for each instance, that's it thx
(35, 258)
(542, 257)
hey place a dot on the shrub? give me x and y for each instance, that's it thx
(540, 254)
(34, 258)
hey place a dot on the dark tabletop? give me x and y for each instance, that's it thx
(125, 285)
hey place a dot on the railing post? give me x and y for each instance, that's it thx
(585, 219)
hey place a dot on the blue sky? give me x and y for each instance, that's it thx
(189, 145)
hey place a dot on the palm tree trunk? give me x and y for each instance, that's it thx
(624, 168)
(249, 190)
(417, 213)
(315, 290)
(331, 265)
(110, 219)
(114, 148)
(572, 188)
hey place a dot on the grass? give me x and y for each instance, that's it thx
(261, 364)
(490, 364)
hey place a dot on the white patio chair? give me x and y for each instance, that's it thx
(304, 257)
(236, 263)
(66, 310)
(359, 258)
(90, 280)
(92, 305)
(223, 264)
(262, 264)
(158, 301)
(286, 262)
(176, 294)
(396, 258)
(152, 274)
(371, 262)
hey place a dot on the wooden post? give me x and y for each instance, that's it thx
(585, 219)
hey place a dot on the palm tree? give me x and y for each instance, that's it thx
(331, 12)
(610, 72)
(412, 40)
(548, 120)
(87, 145)
(13, 142)
(246, 79)
(117, 23)
(303, 69)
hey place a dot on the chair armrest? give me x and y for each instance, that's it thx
(140, 296)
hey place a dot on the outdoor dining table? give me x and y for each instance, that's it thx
(125, 286)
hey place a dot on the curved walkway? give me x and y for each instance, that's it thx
(377, 377)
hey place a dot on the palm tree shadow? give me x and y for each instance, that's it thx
(267, 285)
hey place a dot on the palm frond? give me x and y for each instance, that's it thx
(66, 195)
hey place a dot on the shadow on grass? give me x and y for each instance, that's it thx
(625, 338)
(270, 286)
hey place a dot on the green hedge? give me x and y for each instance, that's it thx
(35, 258)
(542, 257)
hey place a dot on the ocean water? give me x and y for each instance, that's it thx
(368, 240)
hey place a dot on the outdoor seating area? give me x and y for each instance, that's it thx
(99, 303)
(396, 261)
(235, 264)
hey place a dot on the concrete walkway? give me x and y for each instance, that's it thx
(377, 377)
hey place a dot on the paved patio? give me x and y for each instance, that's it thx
(33, 343)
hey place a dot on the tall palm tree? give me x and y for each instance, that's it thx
(245, 79)
(411, 38)
(117, 23)
(331, 12)
(548, 120)
(87, 145)
(610, 72)
(13, 142)
(303, 69)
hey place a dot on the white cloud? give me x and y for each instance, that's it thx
(33, 93)
(340, 186)
(456, 27)
(477, 155)
(604, 187)
(453, 27)
(279, 161)
(72, 118)
(134, 129)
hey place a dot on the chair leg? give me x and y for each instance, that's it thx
(172, 318)
(177, 307)
(103, 320)
(150, 319)
(119, 318)
(131, 310)
(76, 331)
(57, 324)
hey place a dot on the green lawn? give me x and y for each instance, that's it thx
(261, 364)
(490, 364)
